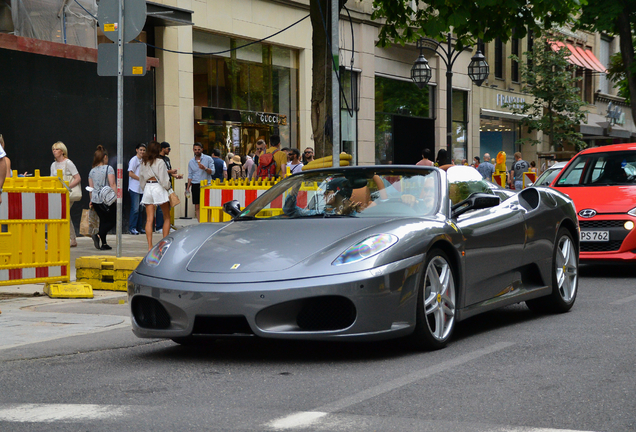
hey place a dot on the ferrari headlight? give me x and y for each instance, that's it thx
(366, 248)
(156, 253)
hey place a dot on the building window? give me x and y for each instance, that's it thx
(515, 64)
(403, 120)
(604, 57)
(530, 47)
(499, 58)
(243, 93)
(349, 107)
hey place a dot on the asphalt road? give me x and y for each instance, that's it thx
(508, 370)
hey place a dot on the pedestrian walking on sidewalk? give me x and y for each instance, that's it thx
(135, 219)
(69, 170)
(102, 175)
(155, 182)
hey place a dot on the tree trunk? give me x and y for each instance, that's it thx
(627, 52)
(321, 77)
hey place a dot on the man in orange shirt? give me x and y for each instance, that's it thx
(280, 157)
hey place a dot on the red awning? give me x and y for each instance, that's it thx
(580, 57)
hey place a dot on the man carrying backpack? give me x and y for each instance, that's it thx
(272, 164)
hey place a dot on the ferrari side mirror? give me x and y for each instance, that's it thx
(232, 208)
(475, 202)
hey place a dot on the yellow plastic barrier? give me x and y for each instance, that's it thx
(245, 192)
(105, 272)
(34, 230)
(499, 179)
(214, 195)
(528, 178)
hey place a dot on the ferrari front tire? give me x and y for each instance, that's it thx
(565, 277)
(435, 316)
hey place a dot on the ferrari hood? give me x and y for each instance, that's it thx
(263, 246)
(603, 199)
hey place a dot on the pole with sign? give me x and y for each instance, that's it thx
(130, 60)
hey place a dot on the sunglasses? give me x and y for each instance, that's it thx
(308, 152)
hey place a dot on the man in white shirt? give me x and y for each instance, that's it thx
(135, 221)
(294, 164)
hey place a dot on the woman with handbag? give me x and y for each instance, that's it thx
(103, 198)
(154, 181)
(71, 175)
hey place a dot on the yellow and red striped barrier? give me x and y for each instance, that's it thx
(34, 230)
(529, 178)
(213, 197)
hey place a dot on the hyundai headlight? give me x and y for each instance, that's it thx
(632, 212)
(156, 253)
(366, 248)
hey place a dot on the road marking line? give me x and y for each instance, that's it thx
(48, 413)
(304, 419)
(625, 300)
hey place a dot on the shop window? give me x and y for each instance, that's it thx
(459, 135)
(243, 92)
(499, 58)
(397, 100)
(349, 111)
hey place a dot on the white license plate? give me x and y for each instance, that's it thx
(595, 236)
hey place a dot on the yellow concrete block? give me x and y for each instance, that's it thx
(127, 263)
(69, 290)
(92, 262)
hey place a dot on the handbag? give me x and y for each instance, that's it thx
(173, 198)
(75, 193)
(106, 194)
(84, 224)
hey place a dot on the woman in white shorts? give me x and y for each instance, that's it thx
(155, 182)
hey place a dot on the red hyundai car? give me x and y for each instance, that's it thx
(602, 183)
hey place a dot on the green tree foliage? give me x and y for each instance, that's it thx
(615, 18)
(468, 19)
(557, 106)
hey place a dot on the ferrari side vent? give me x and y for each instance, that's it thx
(221, 325)
(149, 313)
(326, 313)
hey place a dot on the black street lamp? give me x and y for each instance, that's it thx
(478, 71)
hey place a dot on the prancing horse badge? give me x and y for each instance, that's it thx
(235, 266)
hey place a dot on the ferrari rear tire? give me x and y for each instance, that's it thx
(565, 277)
(435, 316)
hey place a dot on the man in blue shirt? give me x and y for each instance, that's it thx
(486, 169)
(200, 167)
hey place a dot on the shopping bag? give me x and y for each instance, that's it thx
(93, 222)
(174, 199)
(84, 224)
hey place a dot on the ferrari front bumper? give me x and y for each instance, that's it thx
(371, 304)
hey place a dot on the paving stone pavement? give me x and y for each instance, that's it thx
(28, 316)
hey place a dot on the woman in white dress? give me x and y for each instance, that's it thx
(62, 162)
(155, 183)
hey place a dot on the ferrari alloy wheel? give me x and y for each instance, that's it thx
(565, 277)
(436, 303)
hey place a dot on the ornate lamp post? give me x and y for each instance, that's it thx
(478, 71)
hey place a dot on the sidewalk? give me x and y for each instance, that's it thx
(28, 316)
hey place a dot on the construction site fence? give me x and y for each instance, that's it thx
(34, 230)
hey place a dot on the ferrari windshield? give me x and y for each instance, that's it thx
(600, 169)
(359, 192)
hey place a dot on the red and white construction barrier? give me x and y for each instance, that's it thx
(32, 206)
(218, 197)
(32, 273)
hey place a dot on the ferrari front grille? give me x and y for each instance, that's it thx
(601, 246)
(221, 325)
(601, 224)
(149, 313)
(326, 313)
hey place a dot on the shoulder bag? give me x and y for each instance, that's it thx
(172, 197)
(106, 193)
